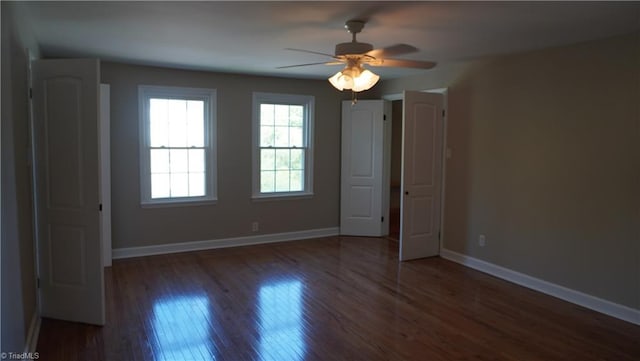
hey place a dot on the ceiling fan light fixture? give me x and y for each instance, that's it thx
(341, 81)
(354, 78)
(365, 81)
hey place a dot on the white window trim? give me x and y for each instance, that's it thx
(308, 101)
(209, 97)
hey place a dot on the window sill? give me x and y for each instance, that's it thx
(281, 197)
(178, 203)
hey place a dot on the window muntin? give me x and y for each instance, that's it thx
(177, 152)
(282, 144)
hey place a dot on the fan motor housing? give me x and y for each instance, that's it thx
(353, 48)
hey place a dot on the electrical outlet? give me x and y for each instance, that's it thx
(254, 226)
(482, 240)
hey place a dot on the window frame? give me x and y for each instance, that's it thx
(209, 97)
(308, 103)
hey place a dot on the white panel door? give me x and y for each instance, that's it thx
(421, 175)
(362, 168)
(65, 102)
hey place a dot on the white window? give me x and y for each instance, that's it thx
(282, 145)
(177, 145)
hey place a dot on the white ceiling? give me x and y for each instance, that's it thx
(250, 37)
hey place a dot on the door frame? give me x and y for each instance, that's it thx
(445, 151)
(104, 163)
(32, 175)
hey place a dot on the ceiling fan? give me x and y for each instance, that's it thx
(355, 55)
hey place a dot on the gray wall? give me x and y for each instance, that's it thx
(234, 211)
(546, 163)
(18, 270)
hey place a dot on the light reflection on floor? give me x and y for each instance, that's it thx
(181, 326)
(280, 308)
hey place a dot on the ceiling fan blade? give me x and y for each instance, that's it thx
(393, 50)
(311, 52)
(405, 63)
(320, 63)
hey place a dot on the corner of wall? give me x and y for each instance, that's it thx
(18, 270)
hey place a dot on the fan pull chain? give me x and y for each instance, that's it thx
(354, 98)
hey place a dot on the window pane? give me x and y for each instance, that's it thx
(158, 123)
(267, 159)
(282, 143)
(297, 159)
(177, 122)
(295, 115)
(179, 161)
(196, 160)
(267, 181)
(266, 114)
(281, 114)
(160, 186)
(282, 181)
(296, 181)
(195, 123)
(159, 161)
(282, 136)
(179, 185)
(196, 184)
(295, 134)
(282, 159)
(266, 137)
(178, 146)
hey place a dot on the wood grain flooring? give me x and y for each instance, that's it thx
(337, 298)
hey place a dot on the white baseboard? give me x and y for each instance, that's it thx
(597, 304)
(129, 252)
(32, 336)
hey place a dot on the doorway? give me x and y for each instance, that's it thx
(416, 171)
(396, 170)
(371, 190)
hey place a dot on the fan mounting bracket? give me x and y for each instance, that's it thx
(354, 26)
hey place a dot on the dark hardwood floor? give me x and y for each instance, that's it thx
(338, 298)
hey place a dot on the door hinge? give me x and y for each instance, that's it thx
(30, 93)
(384, 117)
(382, 219)
(443, 112)
(100, 207)
(38, 282)
(438, 235)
